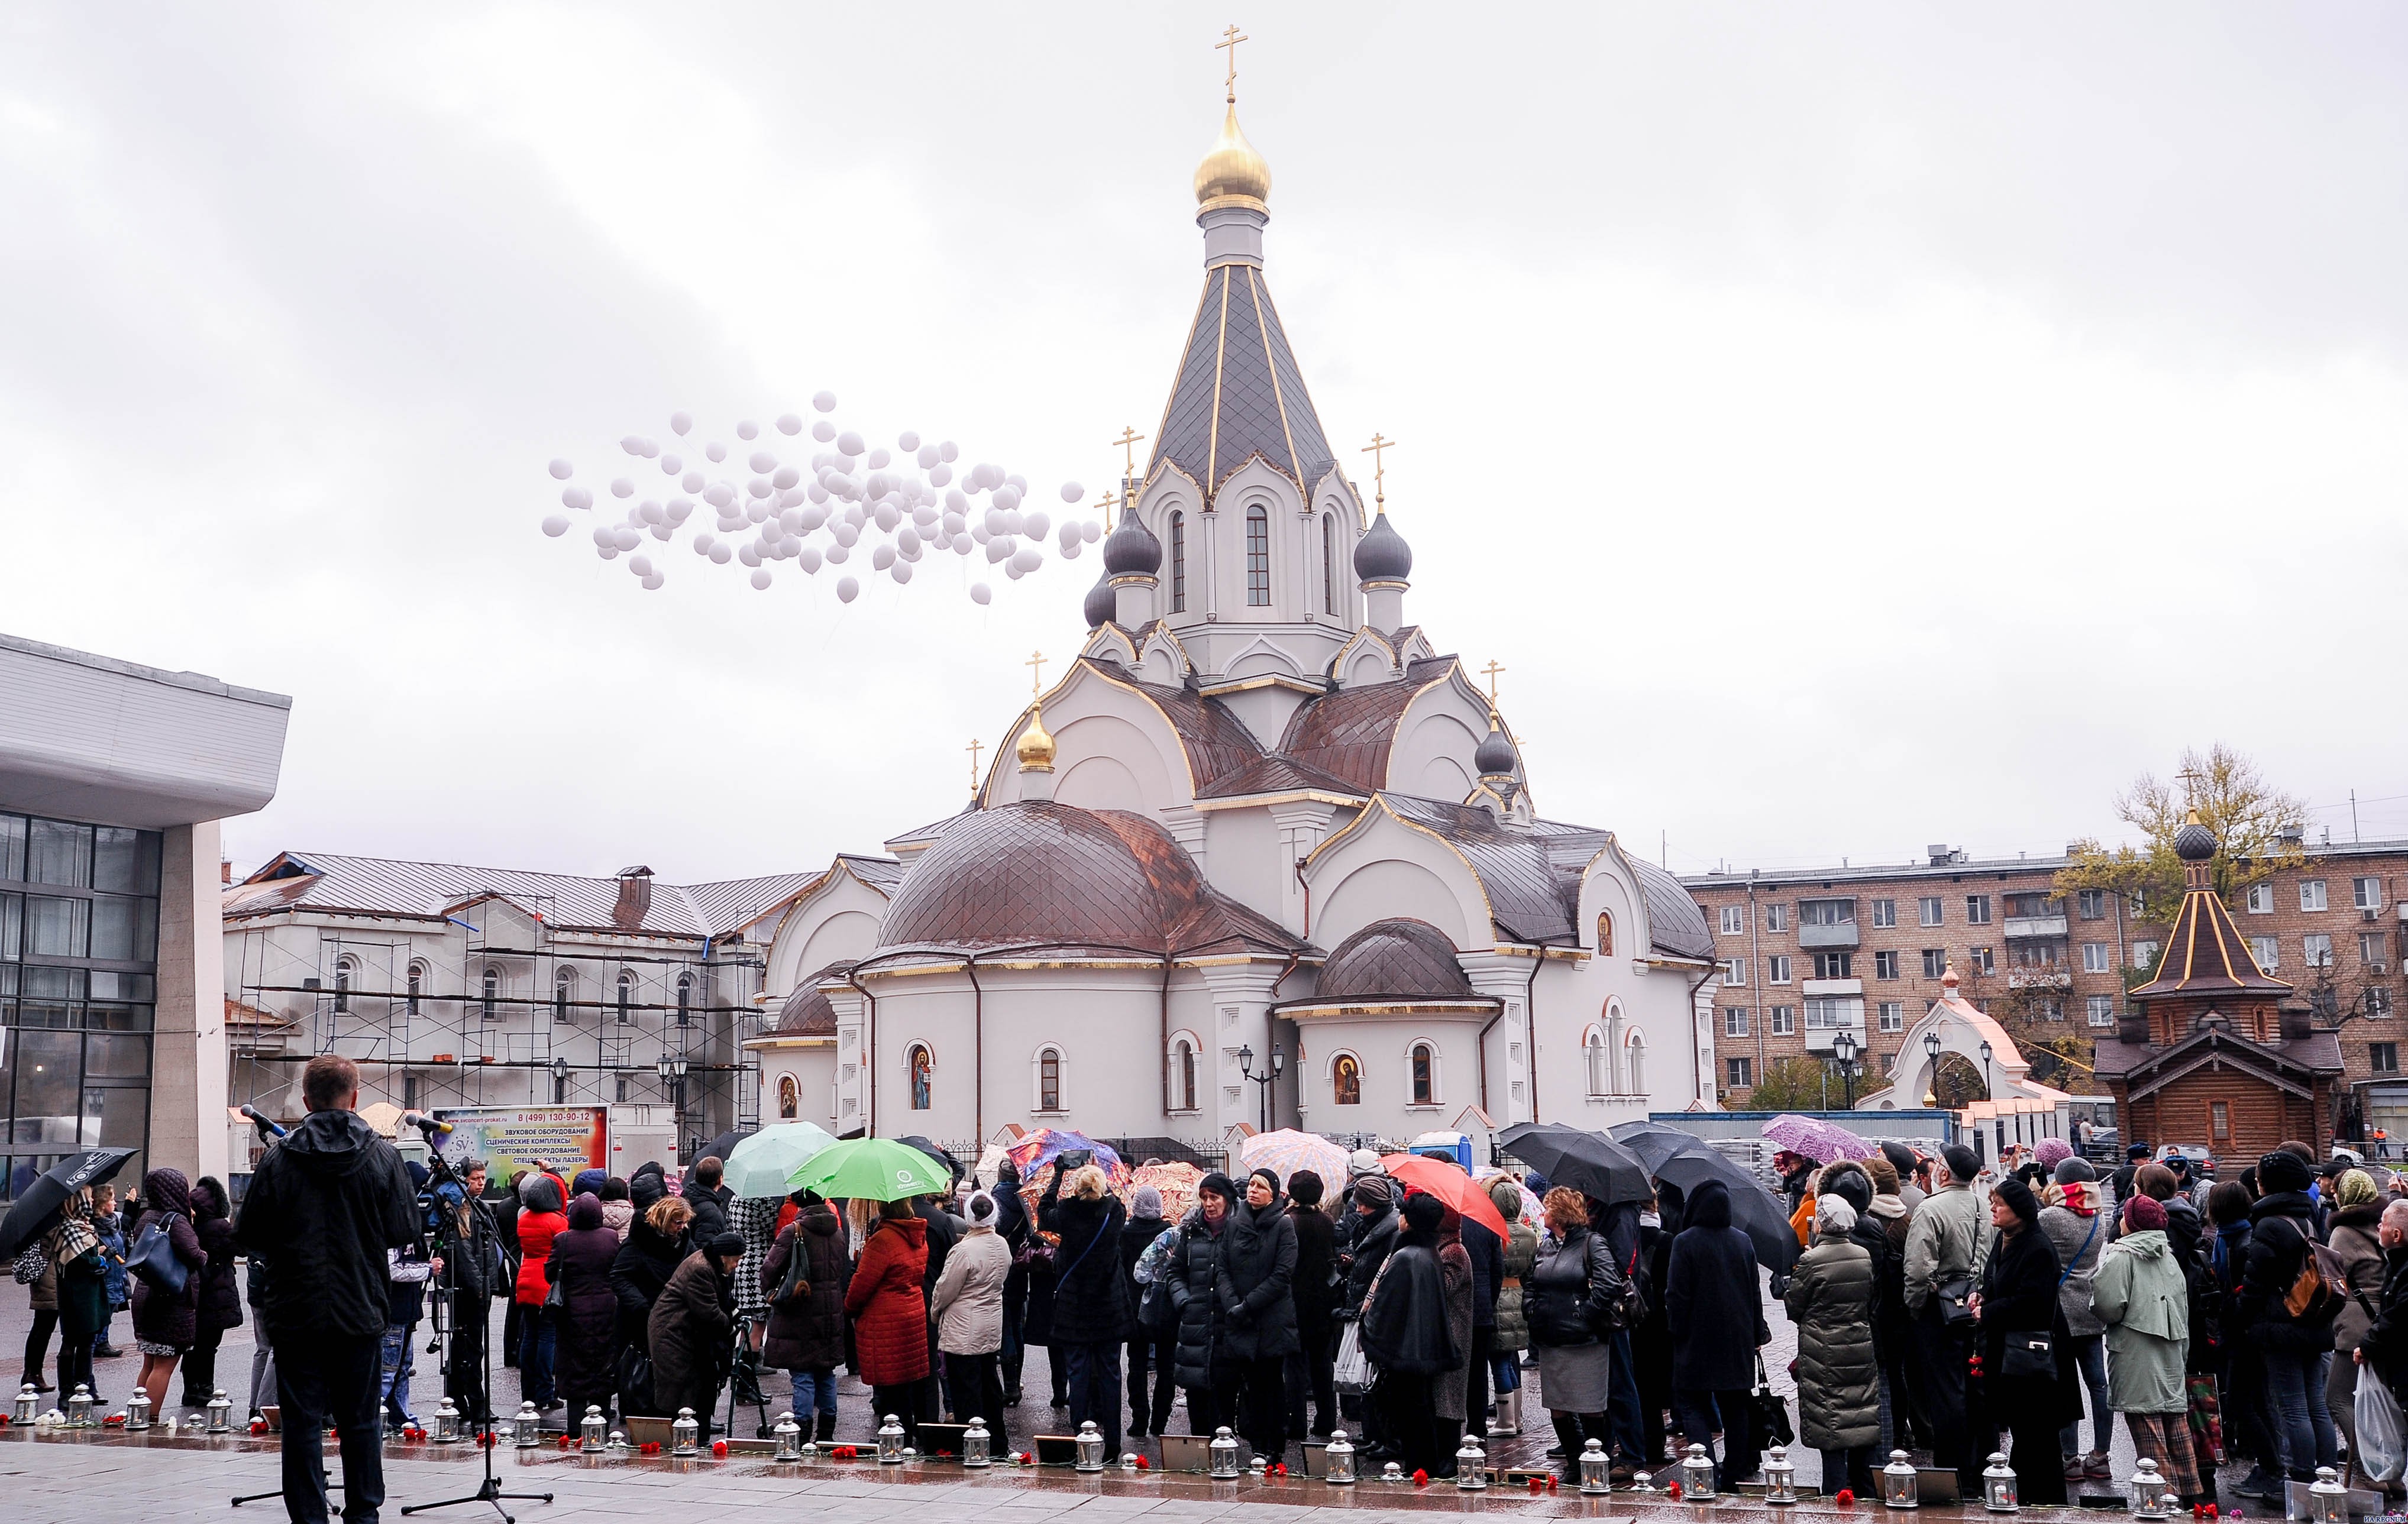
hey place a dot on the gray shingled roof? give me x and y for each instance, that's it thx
(1239, 393)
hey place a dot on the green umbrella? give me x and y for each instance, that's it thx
(767, 1163)
(873, 1169)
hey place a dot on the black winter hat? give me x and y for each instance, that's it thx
(1304, 1188)
(1902, 1157)
(1423, 1212)
(2020, 1199)
(1850, 1185)
(2282, 1170)
(1962, 1165)
(2075, 1168)
(1219, 1184)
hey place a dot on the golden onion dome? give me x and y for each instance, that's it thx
(1233, 168)
(1036, 747)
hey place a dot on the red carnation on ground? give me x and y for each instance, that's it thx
(650, 1446)
(1844, 1498)
(719, 1449)
(1280, 1469)
(1553, 1483)
(1142, 1464)
(1538, 1485)
(1421, 1477)
(1673, 1491)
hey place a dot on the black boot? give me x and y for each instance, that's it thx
(1567, 1436)
(824, 1431)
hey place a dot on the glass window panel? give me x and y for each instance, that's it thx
(58, 853)
(56, 928)
(47, 1083)
(141, 987)
(116, 1018)
(12, 916)
(115, 1118)
(116, 1056)
(54, 983)
(114, 852)
(124, 928)
(13, 847)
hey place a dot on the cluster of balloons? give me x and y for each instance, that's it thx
(848, 504)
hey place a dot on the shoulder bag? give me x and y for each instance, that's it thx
(31, 1266)
(1955, 1296)
(154, 1256)
(1768, 1414)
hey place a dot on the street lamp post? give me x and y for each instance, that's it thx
(559, 1082)
(1246, 1068)
(1843, 1047)
(1931, 1052)
(672, 1072)
(1985, 1067)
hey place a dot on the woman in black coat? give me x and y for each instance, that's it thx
(1257, 1290)
(1149, 1356)
(1315, 1295)
(1564, 1299)
(1713, 1305)
(165, 1323)
(1194, 1268)
(2019, 1296)
(693, 1329)
(586, 1322)
(220, 1304)
(1091, 1318)
(657, 1242)
(806, 1332)
(1406, 1335)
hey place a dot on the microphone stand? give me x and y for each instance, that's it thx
(490, 1489)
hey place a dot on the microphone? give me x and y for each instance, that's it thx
(425, 1123)
(263, 1121)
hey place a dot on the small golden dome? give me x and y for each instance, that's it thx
(1233, 168)
(1035, 748)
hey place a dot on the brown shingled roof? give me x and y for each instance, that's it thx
(1401, 959)
(1348, 733)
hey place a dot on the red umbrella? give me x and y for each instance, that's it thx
(1446, 1180)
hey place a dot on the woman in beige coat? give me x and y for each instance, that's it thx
(967, 1306)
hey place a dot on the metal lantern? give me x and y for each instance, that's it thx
(1781, 1477)
(1596, 1469)
(1090, 1445)
(1471, 1466)
(1128, 1460)
(1697, 1474)
(1338, 1459)
(2153, 1496)
(890, 1441)
(2327, 1499)
(29, 1401)
(220, 1412)
(80, 1407)
(1224, 1450)
(447, 1422)
(1898, 1481)
(1998, 1487)
(593, 1431)
(686, 1432)
(138, 1411)
(977, 1445)
(789, 1434)
(527, 1427)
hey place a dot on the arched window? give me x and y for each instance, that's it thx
(1049, 1080)
(685, 999)
(1636, 1047)
(627, 994)
(1600, 1061)
(1329, 563)
(790, 1098)
(490, 1005)
(1425, 1065)
(1258, 558)
(1346, 1081)
(1182, 1076)
(1605, 933)
(564, 992)
(417, 984)
(922, 1066)
(345, 970)
(1179, 563)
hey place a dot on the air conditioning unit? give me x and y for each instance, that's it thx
(2378, 968)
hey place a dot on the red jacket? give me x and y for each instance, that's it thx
(536, 1232)
(889, 1309)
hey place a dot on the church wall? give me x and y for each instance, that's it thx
(841, 921)
(1570, 1000)
(1243, 857)
(1386, 888)
(1384, 1048)
(1432, 758)
(1100, 783)
(813, 1070)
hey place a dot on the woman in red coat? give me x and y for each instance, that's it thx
(890, 1314)
(540, 1220)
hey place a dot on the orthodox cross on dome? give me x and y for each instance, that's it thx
(975, 746)
(1491, 672)
(1380, 467)
(1128, 442)
(1036, 664)
(1230, 39)
(1105, 504)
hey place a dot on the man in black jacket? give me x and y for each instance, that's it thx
(325, 1204)
(707, 1196)
(1315, 1293)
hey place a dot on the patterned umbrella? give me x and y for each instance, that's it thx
(1286, 1151)
(1042, 1147)
(1822, 1142)
(1176, 1183)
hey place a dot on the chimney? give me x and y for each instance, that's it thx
(635, 898)
(225, 872)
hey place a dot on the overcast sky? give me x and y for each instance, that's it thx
(1852, 428)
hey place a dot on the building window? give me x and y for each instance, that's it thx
(1977, 910)
(2374, 951)
(2261, 899)
(1425, 1065)
(2312, 894)
(2383, 1058)
(790, 1098)
(1981, 959)
(1594, 1052)
(1835, 966)
(1826, 912)
(626, 995)
(2102, 1010)
(1259, 558)
(1885, 912)
(2267, 951)
(563, 990)
(2219, 1122)
(2316, 950)
(2023, 905)
(1734, 921)
(922, 1065)
(416, 983)
(1740, 1072)
(2050, 1009)
(1886, 965)
(1346, 1081)
(1734, 971)
(1734, 1020)
(1182, 1076)
(1893, 1015)
(1935, 962)
(2366, 893)
(1784, 1021)
(345, 970)
(1929, 905)
(489, 1006)
(2095, 958)
(1636, 1046)
(1049, 1080)
(1329, 563)
(2378, 1001)
(2091, 904)
(1776, 968)
(2144, 955)
(620, 1089)
(1829, 1013)
(685, 999)
(1605, 933)
(1179, 563)
(1777, 917)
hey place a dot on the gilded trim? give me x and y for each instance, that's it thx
(1220, 359)
(1295, 462)
(1296, 796)
(1380, 806)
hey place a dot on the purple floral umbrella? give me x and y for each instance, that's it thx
(1820, 1141)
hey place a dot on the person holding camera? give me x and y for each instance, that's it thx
(325, 1204)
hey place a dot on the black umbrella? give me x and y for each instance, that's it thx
(916, 1141)
(723, 1144)
(1688, 1161)
(33, 1211)
(1589, 1162)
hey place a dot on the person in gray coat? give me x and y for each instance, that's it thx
(967, 1308)
(1831, 1300)
(2076, 1223)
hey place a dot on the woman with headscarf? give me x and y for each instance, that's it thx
(967, 1306)
(1831, 1300)
(888, 1304)
(1717, 1312)
(2353, 1235)
(1407, 1335)
(586, 1322)
(220, 1304)
(73, 1249)
(1565, 1298)
(657, 1245)
(166, 1323)
(2030, 1392)
(693, 1329)
(2139, 1295)
(806, 1336)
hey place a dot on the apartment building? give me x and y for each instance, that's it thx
(1807, 954)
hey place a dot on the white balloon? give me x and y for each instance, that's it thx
(1090, 531)
(671, 465)
(964, 544)
(703, 542)
(576, 497)
(1011, 569)
(1006, 498)
(956, 502)
(940, 476)
(748, 430)
(924, 516)
(882, 558)
(813, 516)
(809, 560)
(791, 520)
(998, 548)
(650, 512)
(640, 566)
(719, 495)
(662, 532)
(556, 525)
(758, 487)
(994, 521)
(652, 583)
(762, 463)
(949, 451)
(1018, 483)
(848, 443)
(907, 540)
(786, 478)
(824, 431)
(907, 441)
(816, 493)
(980, 593)
(679, 423)
(716, 451)
(562, 470)
(621, 487)
(755, 511)
(838, 554)
(626, 537)
(679, 510)
(846, 589)
(606, 534)
(1070, 550)
(824, 402)
(721, 554)
(1012, 521)
(748, 553)
(1069, 539)
(846, 534)
(632, 444)
(878, 459)
(1072, 491)
(900, 571)
(790, 423)
(652, 447)
(1035, 524)
(690, 481)
(761, 578)
(609, 552)
(1027, 559)
(888, 516)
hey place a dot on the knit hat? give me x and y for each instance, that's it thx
(2357, 1188)
(1847, 1182)
(2052, 1152)
(1884, 1175)
(1219, 1184)
(1269, 1176)
(1363, 1162)
(2144, 1213)
(2071, 1169)
(589, 1180)
(1304, 1188)
(1369, 1190)
(2283, 1170)
(1962, 1165)
(2137, 1150)
(726, 1246)
(1902, 1157)
(2018, 1197)
(1423, 1212)
(1833, 1216)
(1146, 1203)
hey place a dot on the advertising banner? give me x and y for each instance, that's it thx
(511, 1138)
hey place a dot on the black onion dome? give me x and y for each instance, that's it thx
(1382, 555)
(2194, 842)
(1495, 754)
(1102, 603)
(1132, 548)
